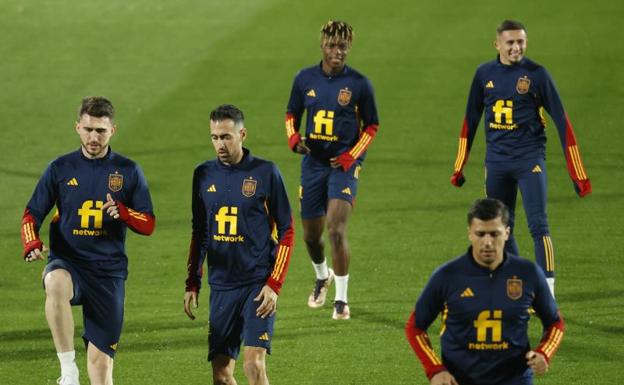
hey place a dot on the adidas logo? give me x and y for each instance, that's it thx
(489, 84)
(212, 188)
(311, 93)
(264, 337)
(346, 191)
(467, 293)
(72, 182)
(537, 169)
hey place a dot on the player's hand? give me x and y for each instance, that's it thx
(443, 378)
(269, 302)
(190, 297)
(36, 254)
(537, 362)
(111, 207)
(458, 179)
(301, 148)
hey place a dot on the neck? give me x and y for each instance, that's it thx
(97, 156)
(490, 266)
(236, 160)
(331, 71)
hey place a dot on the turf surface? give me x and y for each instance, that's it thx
(165, 65)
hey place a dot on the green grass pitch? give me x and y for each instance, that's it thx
(165, 65)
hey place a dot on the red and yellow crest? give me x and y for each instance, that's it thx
(344, 97)
(514, 288)
(115, 181)
(522, 86)
(249, 187)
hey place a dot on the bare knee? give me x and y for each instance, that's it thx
(100, 366)
(313, 240)
(336, 234)
(313, 231)
(254, 367)
(58, 285)
(223, 370)
(222, 379)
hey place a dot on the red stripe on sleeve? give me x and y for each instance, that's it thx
(462, 150)
(551, 339)
(282, 259)
(292, 131)
(140, 223)
(29, 233)
(419, 340)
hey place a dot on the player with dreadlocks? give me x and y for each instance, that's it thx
(341, 122)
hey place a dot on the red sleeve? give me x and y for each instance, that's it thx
(282, 259)
(292, 131)
(30, 234)
(551, 339)
(419, 340)
(140, 223)
(346, 159)
(574, 162)
(462, 149)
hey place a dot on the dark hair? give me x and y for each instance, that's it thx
(228, 111)
(337, 29)
(97, 106)
(488, 209)
(510, 25)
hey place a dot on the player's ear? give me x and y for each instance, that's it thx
(507, 232)
(113, 129)
(243, 133)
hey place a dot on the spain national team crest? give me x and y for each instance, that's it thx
(514, 288)
(344, 97)
(115, 182)
(522, 86)
(249, 187)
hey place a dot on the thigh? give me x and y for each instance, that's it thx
(532, 180)
(338, 212)
(103, 311)
(257, 332)
(313, 188)
(343, 184)
(313, 228)
(501, 184)
(226, 323)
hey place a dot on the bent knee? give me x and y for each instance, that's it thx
(58, 284)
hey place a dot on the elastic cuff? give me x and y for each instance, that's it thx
(293, 140)
(273, 284)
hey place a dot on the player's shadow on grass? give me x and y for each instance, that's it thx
(35, 343)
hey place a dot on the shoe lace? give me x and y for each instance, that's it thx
(339, 305)
(320, 283)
